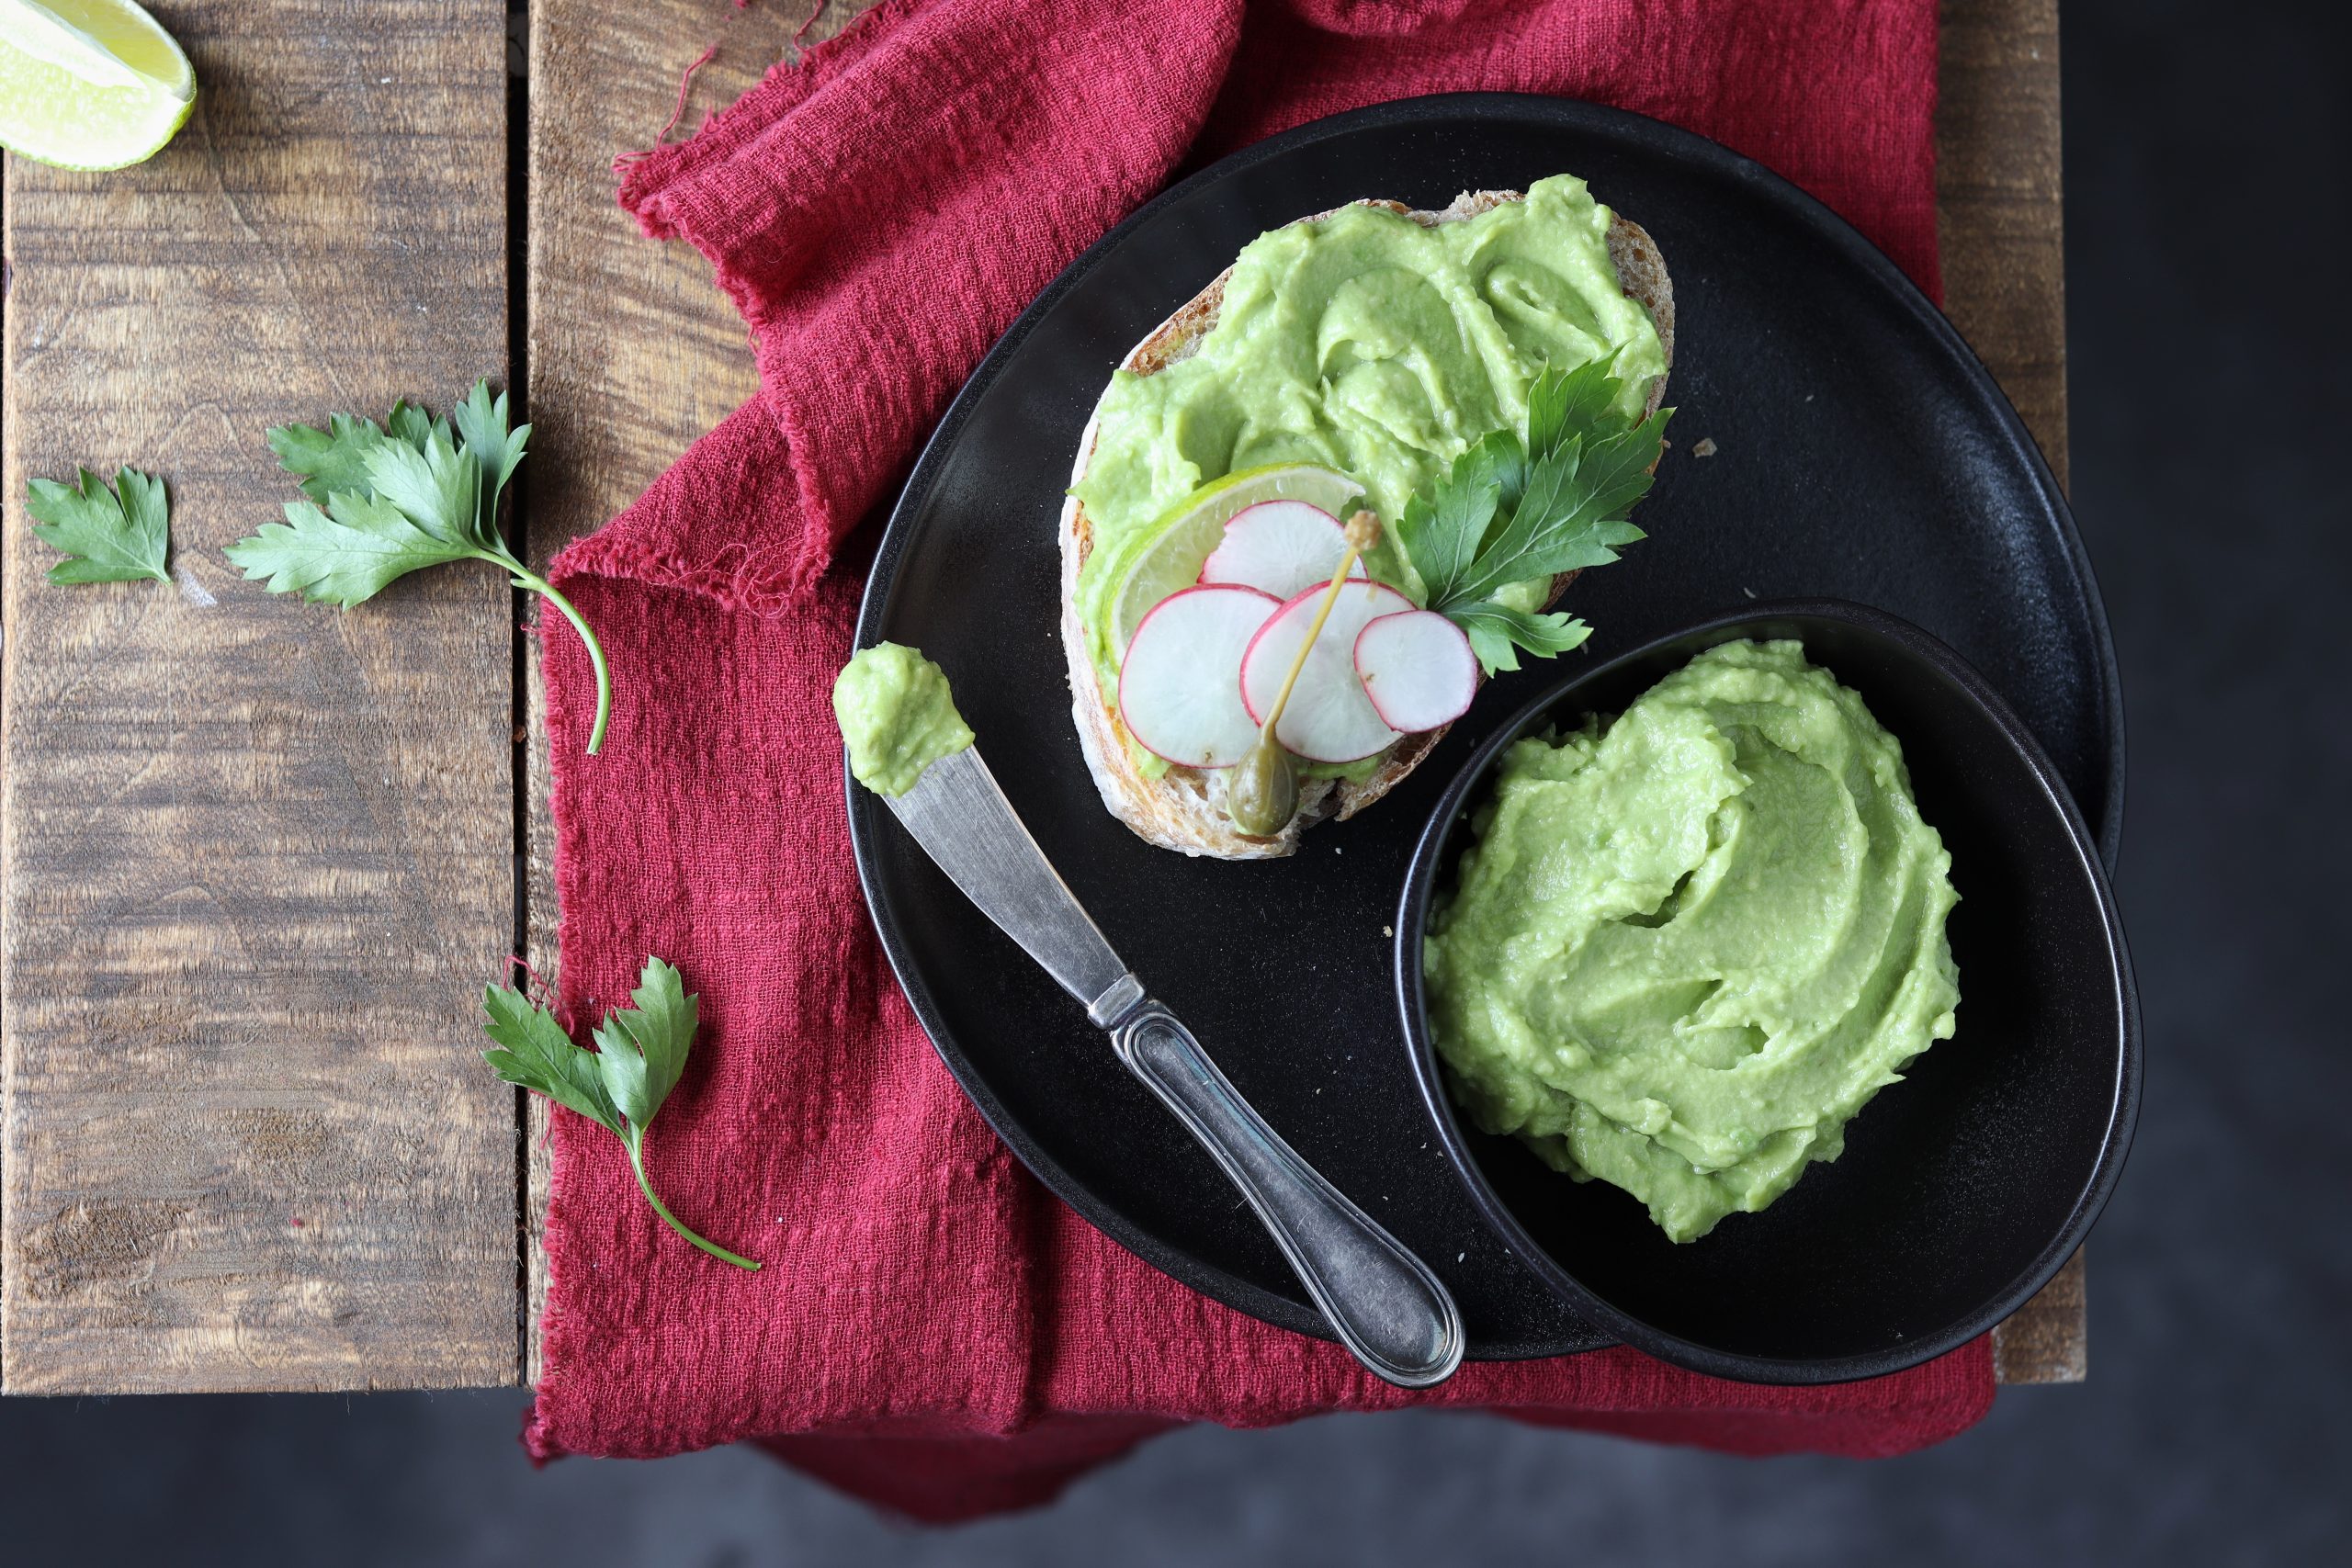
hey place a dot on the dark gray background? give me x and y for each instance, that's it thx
(2207, 245)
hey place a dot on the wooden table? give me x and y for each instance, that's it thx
(259, 856)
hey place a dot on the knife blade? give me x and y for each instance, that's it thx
(960, 817)
(1384, 1303)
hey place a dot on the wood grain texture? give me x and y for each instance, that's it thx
(2047, 1340)
(633, 352)
(257, 853)
(1999, 197)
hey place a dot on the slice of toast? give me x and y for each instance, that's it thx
(1182, 809)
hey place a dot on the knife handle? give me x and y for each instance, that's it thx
(1384, 1302)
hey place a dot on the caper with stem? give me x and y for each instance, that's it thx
(1261, 792)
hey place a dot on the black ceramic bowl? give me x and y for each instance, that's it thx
(1964, 1187)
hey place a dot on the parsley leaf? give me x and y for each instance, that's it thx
(1584, 400)
(108, 536)
(482, 424)
(641, 1050)
(1441, 532)
(411, 424)
(330, 460)
(1573, 514)
(537, 1054)
(434, 488)
(344, 553)
(1519, 507)
(1495, 629)
(387, 500)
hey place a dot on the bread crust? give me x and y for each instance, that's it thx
(1181, 810)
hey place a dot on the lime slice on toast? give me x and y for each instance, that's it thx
(1167, 557)
(89, 83)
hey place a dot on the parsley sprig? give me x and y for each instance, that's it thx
(386, 501)
(1514, 509)
(108, 536)
(640, 1051)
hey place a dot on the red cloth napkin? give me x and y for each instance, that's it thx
(933, 1330)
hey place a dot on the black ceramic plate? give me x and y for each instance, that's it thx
(1962, 1189)
(1860, 453)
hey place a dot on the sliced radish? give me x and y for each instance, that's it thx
(1327, 718)
(1179, 687)
(1280, 547)
(1417, 668)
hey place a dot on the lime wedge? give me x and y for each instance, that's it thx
(1168, 553)
(89, 83)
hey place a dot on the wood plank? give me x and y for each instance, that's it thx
(633, 354)
(257, 853)
(1999, 194)
(1999, 199)
(2047, 1340)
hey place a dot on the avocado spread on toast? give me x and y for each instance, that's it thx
(1371, 345)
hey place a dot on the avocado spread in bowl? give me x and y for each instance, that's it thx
(1685, 947)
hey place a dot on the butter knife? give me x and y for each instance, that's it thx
(1384, 1304)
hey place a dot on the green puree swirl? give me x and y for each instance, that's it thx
(1687, 947)
(1369, 344)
